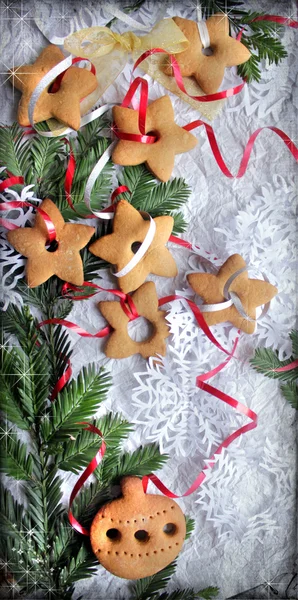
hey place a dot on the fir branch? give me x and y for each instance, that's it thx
(142, 461)
(13, 519)
(140, 182)
(12, 402)
(146, 588)
(190, 525)
(101, 189)
(14, 150)
(77, 402)
(155, 198)
(78, 452)
(266, 360)
(14, 459)
(81, 566)
(47, 163)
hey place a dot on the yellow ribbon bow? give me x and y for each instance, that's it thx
(109, 50)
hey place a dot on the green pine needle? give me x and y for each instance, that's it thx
(80, 566)
(78, 452)
(142, 461)
(146, 588)
(155, 198)
(14, 458)
(77, 402)
(14, 150)
(266, 360)
(290, 393)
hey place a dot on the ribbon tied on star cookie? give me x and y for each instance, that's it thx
(231, 295)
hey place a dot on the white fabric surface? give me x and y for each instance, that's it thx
(245, 509)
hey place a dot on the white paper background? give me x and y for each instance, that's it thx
(245, 509)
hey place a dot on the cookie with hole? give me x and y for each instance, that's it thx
(119, 343)
(61, 257)
(138, 534)
(207, 65)
(231, 295)
(124, 247)
(170, 139)
(64, 104)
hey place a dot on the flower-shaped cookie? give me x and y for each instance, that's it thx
(208, 69)
(62, 257)
(129, 230)
(64, 105)
(232, 278)
(171, 139)
(120, 344)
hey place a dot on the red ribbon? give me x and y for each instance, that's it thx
(225, 93)
(179, 79)
(7, 183)
(248, 148)
(56, 84)
(290, 367)
(20, 204)
(62, 381)
(88, 471)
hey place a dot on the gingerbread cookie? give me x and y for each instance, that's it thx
(232, 283)
(207, 66)
(120, 344)
(61, 257)
(139, 534)
(129, 231)
(171, 139)
(64, 105)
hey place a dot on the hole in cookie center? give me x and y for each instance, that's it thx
(141, 535)
(53, 246)
(140, 330)
(207, 51)
(169, 528)
(135, 246)
(154, 133)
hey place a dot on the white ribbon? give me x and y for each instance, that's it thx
(113, 10)
(140, 252)
(45, 82)
(97, 169)
(203, 29)
(204, 34)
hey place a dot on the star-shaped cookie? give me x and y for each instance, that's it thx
(251, 292)
(120, 344)
(160, 156)
(208, 70)
(129, 230)
(64, 105)
(62, 258)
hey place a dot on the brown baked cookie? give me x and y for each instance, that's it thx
(208, 70)
(64, 105)
(120, 344)
(160, 156)
(250, 292)
(139, 534)
(62, 257)
(129, 230)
